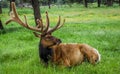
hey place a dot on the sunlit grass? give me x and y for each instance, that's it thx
(98, 27)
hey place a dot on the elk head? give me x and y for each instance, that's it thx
(41, 31)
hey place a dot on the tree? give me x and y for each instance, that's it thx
(119, 2)
(21, 3)
(49, 4)
(35, 5)
(86, 3)
(0, 8)
(99, 2)
(109, 2)
(1, 26)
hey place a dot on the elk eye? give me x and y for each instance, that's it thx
(49, 38)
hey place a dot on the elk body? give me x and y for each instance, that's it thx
(51, 48)
(73, 54)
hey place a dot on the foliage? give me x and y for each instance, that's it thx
(98, 27)
(4, 4)
(58, 2)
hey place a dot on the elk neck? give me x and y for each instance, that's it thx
(45, 53)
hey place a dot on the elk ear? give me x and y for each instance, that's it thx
(36, 34)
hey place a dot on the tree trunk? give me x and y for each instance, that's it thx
(1, 26)
(10, 6)
(49, 4)
(109, 2)
(54, 1)
(85, 2)
(21, 3)
(35, 5)
(79, 1)
(99, 2)
(119, 2)
(0, 7)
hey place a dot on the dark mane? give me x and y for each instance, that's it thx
(45, 53)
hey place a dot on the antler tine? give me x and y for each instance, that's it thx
(61, 24)
(13, 14)
(55, 28)
(36, 34)
(14, 9)
(30, 27)
(16, 18)
(47, 22)
(26, 23)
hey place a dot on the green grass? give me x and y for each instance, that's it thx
(98, 27)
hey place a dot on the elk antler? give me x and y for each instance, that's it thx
(39, 28)
(15, 18)
(57, 26)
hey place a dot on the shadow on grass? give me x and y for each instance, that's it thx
(10, 30)
(2, 31)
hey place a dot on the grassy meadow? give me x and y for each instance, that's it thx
(98, 27)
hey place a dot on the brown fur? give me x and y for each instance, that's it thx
(72, 54)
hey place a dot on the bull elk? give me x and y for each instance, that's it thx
(51, 48)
